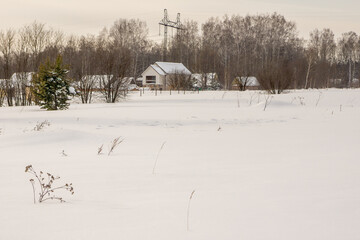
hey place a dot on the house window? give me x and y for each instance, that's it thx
(150, 79)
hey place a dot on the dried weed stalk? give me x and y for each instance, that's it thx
(268, 99)
(318, 100)
(157, 157)
(252, 95)
(238, 101)
(45, 182)
(188, 210)
(63, 153)
(114, 144)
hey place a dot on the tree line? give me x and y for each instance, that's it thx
(266, 46)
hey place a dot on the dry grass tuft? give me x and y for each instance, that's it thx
(114, 144)
(41, 125)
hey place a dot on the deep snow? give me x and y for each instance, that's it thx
(289, 172)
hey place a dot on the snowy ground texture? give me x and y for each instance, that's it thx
(289, 172)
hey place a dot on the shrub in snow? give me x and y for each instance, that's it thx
(51, 86)
(41, 125)
(45, 183)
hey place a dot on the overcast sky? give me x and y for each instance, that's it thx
(90, 16)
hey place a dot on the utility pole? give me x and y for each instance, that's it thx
(167, 23)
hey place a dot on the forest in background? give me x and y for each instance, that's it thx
(266, 46)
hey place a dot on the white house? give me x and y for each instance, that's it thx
(157, 74)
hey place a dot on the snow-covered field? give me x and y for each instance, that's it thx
(289, 172)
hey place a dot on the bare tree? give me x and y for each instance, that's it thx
(81, 55)
(20, 80)
(114, 66)
(275, 78)
(311, 58)
(227, 43)
(279, 47)
(37, 37)
(209, 61)
(348, 52)
(184, 46)
(7, 42)
(131, 34)
(320, 56)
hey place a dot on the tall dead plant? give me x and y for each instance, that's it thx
(45, 183)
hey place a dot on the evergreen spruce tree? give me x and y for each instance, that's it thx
(51, 85)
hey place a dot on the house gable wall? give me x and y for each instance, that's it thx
(151, 72)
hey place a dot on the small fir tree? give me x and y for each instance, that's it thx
(51, 85)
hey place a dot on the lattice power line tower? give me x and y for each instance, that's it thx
(167, 23)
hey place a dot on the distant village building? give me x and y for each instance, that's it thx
(157, 75)
(246, 83)
(21, 79)
(21, 83)
(139, 81)
(206, 81)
